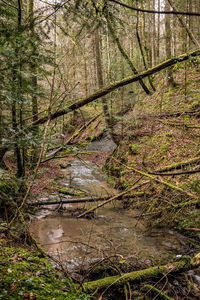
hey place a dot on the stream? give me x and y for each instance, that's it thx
(113, 231)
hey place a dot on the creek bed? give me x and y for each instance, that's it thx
(113, 231)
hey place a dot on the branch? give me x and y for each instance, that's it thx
(157, 11)
(179, 165)
(175, 173)
(83, 200)
(134, 186)
(102, 92)
(171, 186)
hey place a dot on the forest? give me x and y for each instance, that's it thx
(100, 149)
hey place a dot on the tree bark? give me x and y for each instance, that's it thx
(170, 78)
(33, 69)
(108, 120)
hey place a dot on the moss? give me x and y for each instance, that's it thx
(8, 190)
(25, 275)
(133, 149)
(118, 280)
(64, 166)
(71, 192)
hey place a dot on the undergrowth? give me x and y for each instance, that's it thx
(25, 274)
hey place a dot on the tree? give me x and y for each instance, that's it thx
(170, 78)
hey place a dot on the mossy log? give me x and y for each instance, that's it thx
(72, 191)
(167, 114)
(180, 165)
(112, 198)
(181, 124)
(173, 187)
(108, 89)
(186, 263)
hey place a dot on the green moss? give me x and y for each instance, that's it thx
(71, 191)
(25, 275)
(8, 188)
(118, 280)
(133, 149)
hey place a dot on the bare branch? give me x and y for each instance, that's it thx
(157, 11)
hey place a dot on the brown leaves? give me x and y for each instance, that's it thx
(13, 287)
(9, 270)
(16, 258)
(29, 296)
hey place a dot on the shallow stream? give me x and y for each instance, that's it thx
(113, 231)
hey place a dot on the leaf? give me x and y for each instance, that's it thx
(16, 258)
(26, 295)
(122, 261)
(9, 271)
(38, 273)
(13, 287)
(32, 296)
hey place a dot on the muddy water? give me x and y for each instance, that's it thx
(114, 231)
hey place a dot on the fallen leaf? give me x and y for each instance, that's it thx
(32, 296)
(38, 273)
(26, 295)
(13, 287)
(16, 257)
(64, 289)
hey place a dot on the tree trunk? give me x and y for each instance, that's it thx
(185, 26)
(108, 120)
(170, 78)
(123, 52)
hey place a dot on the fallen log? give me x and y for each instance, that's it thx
(173, 187)
(186, 263)
(108, 89)
(180, 165)
(84, 200)
(115, 197)
(68, 201)
(176, 173)
(180, 124)
(168, 114)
